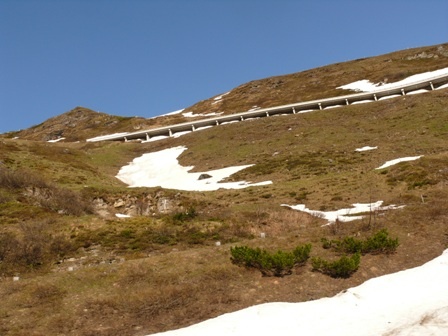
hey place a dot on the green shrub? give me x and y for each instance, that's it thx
(245, 256)
(378, 243)
(341, 268)
(184, 216)
(301, 254)
(279, 263)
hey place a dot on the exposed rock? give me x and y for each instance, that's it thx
(204, 176)
(164, 205)
(119, 203)
(144, 205)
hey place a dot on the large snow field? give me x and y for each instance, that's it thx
(162, 169)
(413, 302)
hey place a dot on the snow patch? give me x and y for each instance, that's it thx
(192, 115)
(347, 214)
(162, 169)
(122, 215)
(365, 148)
(56, 140)
(395, 161)
(413, 302)
(106, 137)
(365, 85)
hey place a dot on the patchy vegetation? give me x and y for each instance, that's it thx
(279, 263)
(81, 270)
(380, 242)
(344, 267)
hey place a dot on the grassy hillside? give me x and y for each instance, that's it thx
(84, 271)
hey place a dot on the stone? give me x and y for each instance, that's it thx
(204, 176)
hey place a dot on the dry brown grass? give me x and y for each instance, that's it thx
(173, 274)
(175, 289)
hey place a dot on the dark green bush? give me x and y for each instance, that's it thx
(245, 256)
(341, 268)
(378, 243)
(184, 216)
(279, 263)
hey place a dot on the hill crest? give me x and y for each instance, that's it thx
(82, 123)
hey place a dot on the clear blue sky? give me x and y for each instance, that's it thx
(147, 58)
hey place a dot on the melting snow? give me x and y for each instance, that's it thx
(162, 169)
(394, 162)
(56, 140)
(107, 137)
(365, 148)
(413, 302)
(367, 86)
(220, 97)
(345, 215)
(192, 115)
(155, 138)
(122, 215)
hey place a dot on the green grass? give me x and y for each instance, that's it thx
(309, 157)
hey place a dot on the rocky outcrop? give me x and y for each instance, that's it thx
(143, 205)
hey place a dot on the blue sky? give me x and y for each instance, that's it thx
(147, 58)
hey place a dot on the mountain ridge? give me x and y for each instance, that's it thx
(262, 93)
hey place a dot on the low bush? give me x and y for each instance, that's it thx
(185, 216)
(47, 195)
(32, 246)
(15, 179)
(279, 263)
(344, 267)
(66, 201)
(380, 242)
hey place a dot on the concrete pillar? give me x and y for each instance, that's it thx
(402, 92)
(267, 114)
(170, 132)
(375, 97)
(147, 137)
(217, 123)
(320, 106)
(346, 102)
(432, 86)
(241, 117)
(294, 110)
(193, 128)
(125, 139)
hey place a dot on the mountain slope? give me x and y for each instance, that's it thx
(322, 82)
(84, 271)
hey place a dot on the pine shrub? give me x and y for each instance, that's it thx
(380, 242)
(280, 263)
(344, 267)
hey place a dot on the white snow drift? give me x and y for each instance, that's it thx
(347, 214)
(365, 148)
(395, 161)
(365, 85)
(413, 302)
(162, 169)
